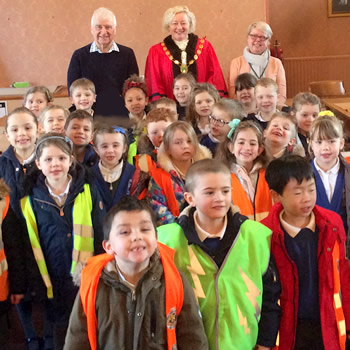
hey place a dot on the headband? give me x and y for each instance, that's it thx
(63, 138)
(119, 129)
(133, 84)
(233, 125)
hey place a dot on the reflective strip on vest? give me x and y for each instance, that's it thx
(173, 292)
(83, 245)
(337, 302)
(262, 200)
(83, 236)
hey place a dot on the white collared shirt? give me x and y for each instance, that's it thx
(293, 230)
(94, 48)
(59, 198)
(202, 234)
(329, 178)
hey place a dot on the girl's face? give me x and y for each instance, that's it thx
(22, 131)
(110, 148)
(36, 102)
(181, 148)
(246, 148)
(218, 122)
(54, 121)
(54, 164)
(136, 101)
(305, 115)
(327, 151)
(204, 103)
(246, 96)
(182, 92)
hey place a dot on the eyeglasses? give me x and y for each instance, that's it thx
(258, 37)
(219, 122)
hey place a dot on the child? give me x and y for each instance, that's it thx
(82, 95)
(182, 87)
(308, 247)
(37, 99)
(63, 216)
(266, 95)
(244, 90)
(53, 119)
(135, 95)
(156, 122)
(305, 108)
(280, 136)
(180, 148)
(21, 130)
(243, 153)
(79, 128)
(332, 172)
(226, 258)
(165, 102)
(115, 177)
(203, 98)
(153, 304)
(223, 113)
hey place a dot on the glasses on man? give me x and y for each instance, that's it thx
(258, 37)
(219, 122)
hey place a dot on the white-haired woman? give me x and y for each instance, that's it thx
(181, 52)
(256, 60)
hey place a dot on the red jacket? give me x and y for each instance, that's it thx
(331, 236)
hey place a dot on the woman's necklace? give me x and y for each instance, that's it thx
(263, 72)
(183, 66)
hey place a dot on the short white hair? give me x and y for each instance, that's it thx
(170, 13)
(103, 12)
(262, 26)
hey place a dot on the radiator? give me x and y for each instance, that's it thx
(302, 70)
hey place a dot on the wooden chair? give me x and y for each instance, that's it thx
(327, 88)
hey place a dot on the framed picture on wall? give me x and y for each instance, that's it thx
(338, 8)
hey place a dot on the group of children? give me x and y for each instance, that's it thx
(240, 283)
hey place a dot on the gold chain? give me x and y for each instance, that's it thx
(184, 67)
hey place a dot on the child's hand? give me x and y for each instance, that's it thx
(16, 298)
(260, 347)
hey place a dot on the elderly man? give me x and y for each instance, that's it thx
(105, 63)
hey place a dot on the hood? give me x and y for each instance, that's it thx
(166, 163)
(4, 189)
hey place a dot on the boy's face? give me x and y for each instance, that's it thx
(54, 121)
(298, 200)
(218, 128)
(280, 131)
(155, 131)
(136, 101)
(212, 196)
(132, 240)
(182, 92)
(83, 98)
(80, 131)
(266, 99)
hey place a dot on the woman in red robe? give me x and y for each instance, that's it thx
(181, 52)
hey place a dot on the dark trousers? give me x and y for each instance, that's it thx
(308, 336)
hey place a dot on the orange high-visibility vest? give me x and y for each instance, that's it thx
(173, 292)
(4, 286)
(163, 180)
(144, 162)
(262, 200)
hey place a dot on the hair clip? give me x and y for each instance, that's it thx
(327, 113)
(119, 129)
(233, 125)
